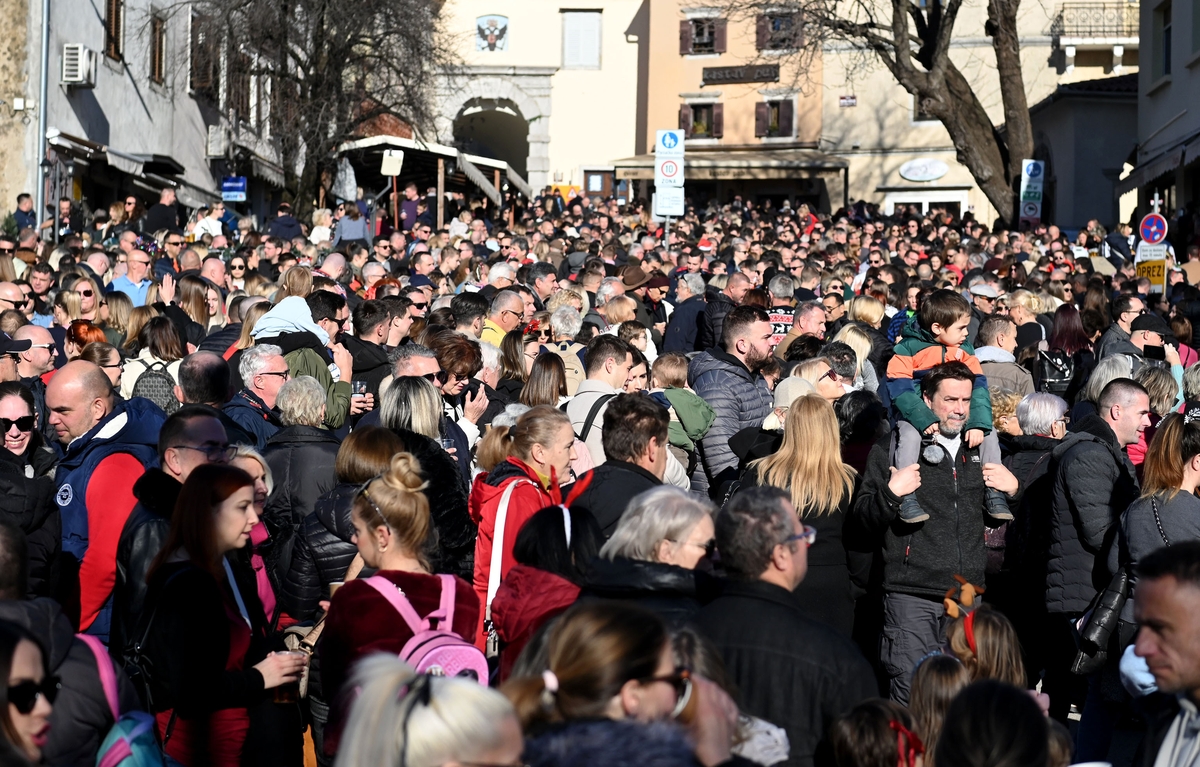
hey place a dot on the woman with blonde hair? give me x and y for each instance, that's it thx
(66, 308)
(116, 322)
(1023, 309)
(819, 372)
(860, 341)
(809, 466)
(867, 310)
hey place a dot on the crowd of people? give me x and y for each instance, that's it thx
(562, 486)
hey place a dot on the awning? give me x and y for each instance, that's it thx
(140, 164)
(478, 179)
(739, 165)
(520, 183)
(420, 164)
(267, 171)
(1158, 167)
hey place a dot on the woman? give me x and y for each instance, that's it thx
(809, 466)
(412, 409)
(27, 485)
(159, 349)
(862, 421)
(90, 296)
(652, 556)
(266, 579)
(206, 680)
(552, 552)
(547, 384)
(193, 300)
(106, 357)
(351, 227)
(117, 308)
(819, 373)
(215, 307)
(250, 318)
(869, 313)
(610, 672)
(394, 533)
(541, 447)
(137, 320)
(237, 273)
(27, 699)
(639, 374)
(1023, 309)
(861, 342)
(1069, 338)
(399, 718)
(66, 309)
(301, 455)
(80, 333)
(516, 362)
(1164, 398)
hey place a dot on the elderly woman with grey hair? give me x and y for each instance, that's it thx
(301, 455)
(1107, 370)
(653, 554)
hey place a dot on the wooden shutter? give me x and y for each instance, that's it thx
(718, 121)
(685, 120)
(762, 33)
(720, 35)
(787, 113)
(762, 112)
(685, 37)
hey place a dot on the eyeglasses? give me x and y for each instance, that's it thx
(214, 453)
(237, 267)
(419, 306)
(808, 535)
(24, 423)
(681, 681)
(710, 546)
(284, 374)
(518, 315)
(24, 696)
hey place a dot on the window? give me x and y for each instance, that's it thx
(205, 75)
(1161, 66)
(240, 83)
(114, 29)
(774, 119)
(702, 120)
(701, 36)
(158, 49)
(777, 32)
(581, 39)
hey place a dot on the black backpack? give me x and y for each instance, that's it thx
(1056, 370)
(156, 385)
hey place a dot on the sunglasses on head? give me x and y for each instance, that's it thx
(24, 696)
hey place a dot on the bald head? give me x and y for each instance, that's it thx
(78, 397)
(189, 260)
(334, 266)
(39, 357)
(11, 296)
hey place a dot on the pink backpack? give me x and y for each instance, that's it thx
(434, 651)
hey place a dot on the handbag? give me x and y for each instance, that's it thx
(1099, 623)
(304, 638)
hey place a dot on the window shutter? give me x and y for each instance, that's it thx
(718, 121)
(720, 35)
(685, 120)
(685, 37)
(761, 116)
(762, 33)
(787, 111)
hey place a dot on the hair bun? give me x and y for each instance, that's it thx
(404, 474)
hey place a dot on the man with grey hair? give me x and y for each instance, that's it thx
(610, 288)
(505, 315)
(486, 381)
(264, 371)
(500, 276)
(808, 320)
(684, 326)
(791, 669)
(137, 278)
(1042, 414)
(782, 312)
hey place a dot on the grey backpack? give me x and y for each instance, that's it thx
(156, 385)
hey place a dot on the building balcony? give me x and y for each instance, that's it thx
(1099, 24)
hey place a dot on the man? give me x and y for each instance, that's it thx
(1147, 339)
(10, 351)
(835, 311)
(213, 269)
(372, 324)
(790, 669)
(26, 218)
(204, 382)
(608, 365)
(469, 310)
(1094, 483)
(422, 267)
(728, 379)
(712, 325)
(136, 281)
(995, 344)
(224, 340)
(683, 329)
(809, 320)
(382, 250)
(12, 297)
(634, 436)
(408, 208)
(810, 281)
(1125, 309)
(983, 304)
(163, 214)
(264, 372)
(32, 364)
(506, 314)
(920, 561)
(192, 436)
(543, 281)
(782, 313)
(109, 444)
(284, 226)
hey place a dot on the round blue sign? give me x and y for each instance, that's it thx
(1033, 169)
(1153, 229)
(669, 141)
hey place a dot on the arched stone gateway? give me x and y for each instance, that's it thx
(524, 91)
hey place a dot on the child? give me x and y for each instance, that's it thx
(690, 415)
(939, 335)
(935, 681)
(876, 733)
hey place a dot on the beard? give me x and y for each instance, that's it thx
(951, 427)
(756, 361)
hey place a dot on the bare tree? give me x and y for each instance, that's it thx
(313, 73)
(913, 43)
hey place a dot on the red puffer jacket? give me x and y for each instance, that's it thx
(526, 599)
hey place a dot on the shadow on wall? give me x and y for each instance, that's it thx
(90, 114)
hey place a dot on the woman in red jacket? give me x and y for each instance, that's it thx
(541, 447)
(393, 532)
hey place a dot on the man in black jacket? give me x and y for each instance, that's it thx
(713, 322)
(372, 323)
(635, 445)
(284, 226)
(190, 437)
(920, 560)
(791, 670)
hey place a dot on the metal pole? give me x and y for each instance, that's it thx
(396, 205)
(441, 193)
(44, 89)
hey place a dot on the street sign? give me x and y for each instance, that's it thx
(669, 144)
(393, 161)
(668, 171)
(668, 201)
(1155, 271)
(1153, 229)
(233, 189)
(1032, 176)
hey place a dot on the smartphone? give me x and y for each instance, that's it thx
(1154, 353)
(358, 388)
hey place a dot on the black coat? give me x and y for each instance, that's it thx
(666, 590)
(322, 554)
(1094, 483)
(219, 341)
(613, 486)
(142, 537)
(81, 717)
(712, 324)
(1028, 536)
(301, 460)
(792, 671)
(28, 502)
(370, 363)
(447, 493)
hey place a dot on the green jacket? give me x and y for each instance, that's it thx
(916, 354)
(306, 362)
(694, 414)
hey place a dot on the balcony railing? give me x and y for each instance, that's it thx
(1095, 20)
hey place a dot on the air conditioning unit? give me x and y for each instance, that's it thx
(78, 65)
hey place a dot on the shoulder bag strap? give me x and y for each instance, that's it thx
(108, 676)
(445, 613)
(498, 545)
(591, 416)
(1158, 522)
(391, 592)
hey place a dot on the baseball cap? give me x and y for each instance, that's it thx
(9, 346)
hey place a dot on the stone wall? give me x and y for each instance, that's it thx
(15, 74)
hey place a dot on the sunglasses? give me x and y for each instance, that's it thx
(8, 250)
(176, 243)
(24, 696)
(86, 293)
(24, 423)
(237, 267)
(681, 682)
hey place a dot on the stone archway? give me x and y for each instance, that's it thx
(527, 89)
(494, 128)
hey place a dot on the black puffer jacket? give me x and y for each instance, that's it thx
(81, 717)
(712, 324)
(666, 590)
(27, 502)
(447, 493)
(301, 460)
(1027, 538)
(1094, 484)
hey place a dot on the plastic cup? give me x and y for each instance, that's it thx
(289, 692)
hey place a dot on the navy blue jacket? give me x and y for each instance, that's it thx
(684, 326)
